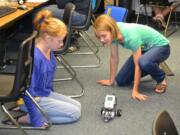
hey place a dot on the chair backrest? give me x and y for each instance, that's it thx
(118, 13)
(144, 1)
(95, 5)
(164, 125)
(67, 19)
(88, 19)
(23, 67)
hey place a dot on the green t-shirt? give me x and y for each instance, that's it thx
(137, 35)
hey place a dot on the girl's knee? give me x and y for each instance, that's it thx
(76, 114)
(122, 83)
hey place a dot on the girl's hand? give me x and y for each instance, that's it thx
(138, 96)
(105, 82)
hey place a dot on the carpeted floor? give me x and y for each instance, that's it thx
(137, 117)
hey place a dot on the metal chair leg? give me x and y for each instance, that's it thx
(167, 24)
(88, 53)
(42, 112)
(17, 126)
(72, 72)
(89, 46)
(92, 41)
(138, 14)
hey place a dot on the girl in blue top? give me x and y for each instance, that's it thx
(60, 108)
(149, 49)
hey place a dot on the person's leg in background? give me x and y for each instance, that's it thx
(77, 20)
(159, 17)
(162, 12)
(171, 6)
(58, 13)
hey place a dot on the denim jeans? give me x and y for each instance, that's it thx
(77, 18)
(60, 108)
(149, 65)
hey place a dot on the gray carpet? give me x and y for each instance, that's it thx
(137, 117)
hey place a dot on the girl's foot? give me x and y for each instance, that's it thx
(24, 119)
(161, 87)
(21, 119)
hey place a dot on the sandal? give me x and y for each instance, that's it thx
(160, 88)
(9, 121)
(161, 22)
(72, 49)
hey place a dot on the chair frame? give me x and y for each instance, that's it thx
(163, 122)
(67, 18)
(165, 32)
(168, 22)
(21, 84)
(163, 65)
(143, 5)
(85, 36)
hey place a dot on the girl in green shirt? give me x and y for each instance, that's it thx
(149, 48)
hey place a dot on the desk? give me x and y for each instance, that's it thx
(13, 17)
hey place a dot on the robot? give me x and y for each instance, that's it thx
(109, 111)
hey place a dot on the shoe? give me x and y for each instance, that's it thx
(16, 109)
(72, 49)
(2, 67)
(159, 21)
(157, 25)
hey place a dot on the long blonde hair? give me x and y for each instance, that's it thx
(44, 22)
(106, 23)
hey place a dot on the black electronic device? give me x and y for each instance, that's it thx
(109, 110)
(5, 10)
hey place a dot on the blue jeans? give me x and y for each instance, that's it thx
(149, 65)
(77, 18)
(60, 108)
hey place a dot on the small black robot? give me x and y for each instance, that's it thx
(109, 111)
